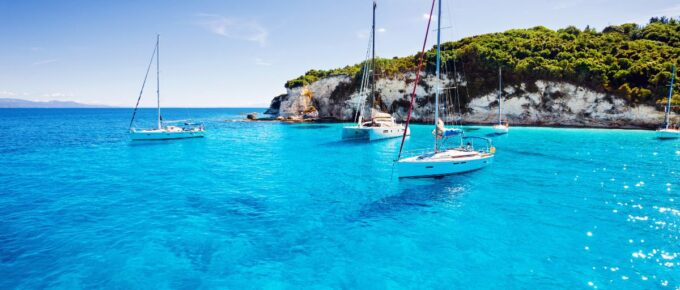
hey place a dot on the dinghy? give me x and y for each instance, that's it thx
(667, 131)
(162, 132)
(453, 152)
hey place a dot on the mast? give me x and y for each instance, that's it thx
(415, 84)
(373, 60)
(437, 88)
(158, 79)
(666, 118)
(500, 100)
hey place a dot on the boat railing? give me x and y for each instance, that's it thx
(416, 152)
(468, 143)
(483, 144)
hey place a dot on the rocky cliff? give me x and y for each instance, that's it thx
(539, 102)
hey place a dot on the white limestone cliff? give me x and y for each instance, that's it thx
(547, 103)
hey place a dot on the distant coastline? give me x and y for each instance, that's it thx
(7, 103)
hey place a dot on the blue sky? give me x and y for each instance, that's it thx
(240, 53)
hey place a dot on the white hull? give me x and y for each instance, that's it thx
(500, 129)
(668, 133)
(449, 162)
(373, 133)
(141, 135)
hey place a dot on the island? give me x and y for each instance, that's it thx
(614, 78)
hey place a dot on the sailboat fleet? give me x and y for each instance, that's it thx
(452, 152)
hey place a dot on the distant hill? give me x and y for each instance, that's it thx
(18, 103)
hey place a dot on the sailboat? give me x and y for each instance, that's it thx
(162, 132)
(667, 131)
(380, 125)
(502, 127)
(465, 153)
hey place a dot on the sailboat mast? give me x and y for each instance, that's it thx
(437, 88)
(373, 58)
(500, 100)
(158, 79)
(666, 119)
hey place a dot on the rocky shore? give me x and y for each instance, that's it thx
(531, 103)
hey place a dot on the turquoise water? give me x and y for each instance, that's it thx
(269, 205)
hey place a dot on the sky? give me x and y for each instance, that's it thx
(236, 53)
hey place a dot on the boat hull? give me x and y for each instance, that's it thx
(668, 134)
(414, 168)
(164, 135)
(372, 133)
(500, 129)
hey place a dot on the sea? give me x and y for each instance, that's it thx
(268, 205)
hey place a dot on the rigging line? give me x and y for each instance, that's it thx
(459, 121)
(158, 80)
(134, 112)
(449, 112)
(365, 78)
(363, 81)
(666, 119)
(415, 84)
(362, 92)
(373, 60)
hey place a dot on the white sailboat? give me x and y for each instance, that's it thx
(458, 156)
(667, 131)
(162, 132)
(380, 125)
(502, 127)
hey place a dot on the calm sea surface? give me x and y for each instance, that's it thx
(269, 205)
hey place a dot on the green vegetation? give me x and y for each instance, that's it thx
(628, 60)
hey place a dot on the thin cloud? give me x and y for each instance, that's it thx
(234, 28)
(260, 62)
(7, 94)
(382, 30)
(44, 62)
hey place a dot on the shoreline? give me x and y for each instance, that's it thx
(540, 125)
